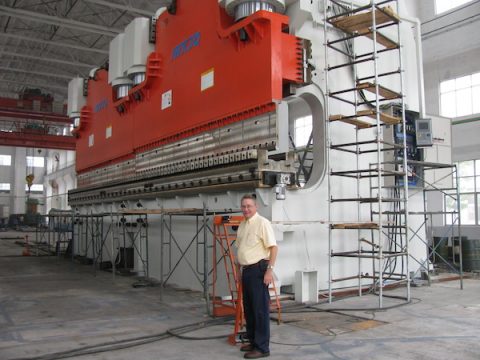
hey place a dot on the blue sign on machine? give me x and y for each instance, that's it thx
(186, 46)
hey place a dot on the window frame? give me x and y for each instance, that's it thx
(450, 8)
(30, 160)
(475, 192)
(32, 189)
(6, 156)
(5, 190)
(306, 127)
(471, 88)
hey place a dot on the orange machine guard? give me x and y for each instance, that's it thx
(201, 76)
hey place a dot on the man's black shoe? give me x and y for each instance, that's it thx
(255, 354)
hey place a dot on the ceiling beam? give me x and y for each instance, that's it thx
(59, 21)
(41, 85)
(54, 43)
(42, 141)
(67, 77)
(126, 8)
(34, 115)
(45, 59)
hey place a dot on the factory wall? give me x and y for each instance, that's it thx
(13, 201)
(59, 179)
(466, 137)
(451, 47)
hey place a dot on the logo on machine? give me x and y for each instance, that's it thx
(186, 46)
(101, 105)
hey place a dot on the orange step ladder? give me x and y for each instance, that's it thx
(224, 234)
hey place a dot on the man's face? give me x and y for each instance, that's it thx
(249, 208)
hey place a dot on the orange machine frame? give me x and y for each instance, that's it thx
(244, 78)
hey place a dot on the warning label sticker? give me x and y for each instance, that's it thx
(208, 79)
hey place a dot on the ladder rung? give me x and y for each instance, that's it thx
(401, 212)
(347, 278)
(355, 254)
(385, 277)
(431, 212)
(400, 187)
(388, 273)
(389, 73)
(368, 171)
(382, 91)
(367, 200)
(375, 254)
(367, 142)
(351, 63)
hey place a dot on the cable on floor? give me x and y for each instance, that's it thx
(132, 342)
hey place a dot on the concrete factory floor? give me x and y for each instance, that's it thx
(50, 305)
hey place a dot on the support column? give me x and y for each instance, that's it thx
(48, 185)
(69, 185)
(59, 199)
(17, 187)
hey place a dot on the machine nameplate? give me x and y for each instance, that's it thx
(186, 46)
(101, 105)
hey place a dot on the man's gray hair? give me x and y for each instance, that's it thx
(250, 197)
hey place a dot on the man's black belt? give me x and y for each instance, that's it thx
(254, 265)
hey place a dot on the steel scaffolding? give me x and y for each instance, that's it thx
(57, 236)
(381, 190)
(452, 230)
(199, 243)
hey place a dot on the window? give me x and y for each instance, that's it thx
(35, 161)
(4, 187)
(469, 189)
(459, 97)
(303, 129)
(478, 208)
(5, 160)
(35, 188)
(446, 5)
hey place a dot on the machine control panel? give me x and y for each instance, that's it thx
(423, 130)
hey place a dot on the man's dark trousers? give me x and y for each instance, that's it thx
(256, 306)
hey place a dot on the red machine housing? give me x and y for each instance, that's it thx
(245, 78)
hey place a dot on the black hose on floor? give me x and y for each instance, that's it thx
(137, 341)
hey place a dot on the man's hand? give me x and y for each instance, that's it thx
(268, 277)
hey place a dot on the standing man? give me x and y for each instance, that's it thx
(257, 252)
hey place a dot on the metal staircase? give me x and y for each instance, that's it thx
(370, 238)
